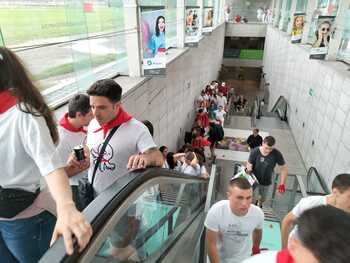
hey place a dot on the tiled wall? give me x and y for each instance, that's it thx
(318, 93)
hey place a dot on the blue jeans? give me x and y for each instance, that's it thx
(26, 240)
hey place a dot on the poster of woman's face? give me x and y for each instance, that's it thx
(323, 33)
(153, 32)
(192, 21)
(298, 28)
(322, 36)
(208, 17)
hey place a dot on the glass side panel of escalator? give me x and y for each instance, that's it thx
(142, 228)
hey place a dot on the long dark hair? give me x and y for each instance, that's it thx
(15, 78)
(156, 27)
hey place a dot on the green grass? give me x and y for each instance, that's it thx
(251, 54)
(70, 67)
(20, 24)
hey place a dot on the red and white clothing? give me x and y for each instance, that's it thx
(282, 256)
(27, 151)
(132, 137)
(69, 138)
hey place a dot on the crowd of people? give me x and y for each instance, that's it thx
(210, 110)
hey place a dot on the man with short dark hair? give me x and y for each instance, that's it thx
(254, 140)
(262, 161)
(339, 198)
(131, 147)
(322, 237)
(72, 133)
(234, 226)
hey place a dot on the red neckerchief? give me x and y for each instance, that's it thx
(7, 101)
(64, 122)
(122, 117)
(284, 257)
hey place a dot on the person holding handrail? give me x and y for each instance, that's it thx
(339, 198)
(28, 138)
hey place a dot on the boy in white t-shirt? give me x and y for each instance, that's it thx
(340, 198)
(72, 133)
(234, 226)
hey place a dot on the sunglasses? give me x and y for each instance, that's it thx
(325, 29)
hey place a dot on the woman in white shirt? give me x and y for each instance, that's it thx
(28, 135)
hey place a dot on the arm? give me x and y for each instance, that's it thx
(69, 220)
(213, 253)
(257, 236)
(151, 157)
(284, 173)
(249, 167)
(287, 223)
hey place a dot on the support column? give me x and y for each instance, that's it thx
(180, 23)
(311, 7)
(339, 26)
(284, 13)
(277, 12)
(132, 37)
(292, 11)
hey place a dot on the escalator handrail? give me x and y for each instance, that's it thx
(312, 170)
(107, 202)
(276, 108)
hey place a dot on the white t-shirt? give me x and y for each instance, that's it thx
(189, 169)
(68, 140)
(220, 115)
(221, 101)
(26, 149)
(307, 203)
(131, 138)
(235, 232)
(27, 153)
(263, 257)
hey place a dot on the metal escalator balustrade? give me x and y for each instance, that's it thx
(139, 218)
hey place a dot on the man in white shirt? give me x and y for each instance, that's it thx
(221, 100)
(131, 147)
(72, 133)
(234, 226)
(220, 115)
(322, 237)
(339, 198)
(189, 165)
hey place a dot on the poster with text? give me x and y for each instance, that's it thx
(153, 41)
(208, 17)
(298, 27)
(322, 36)
(192, 26)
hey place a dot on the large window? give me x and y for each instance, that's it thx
(301, 6)
(251, 10)
(170, 17)
(66, 44)
(286, 15)
(344, 49)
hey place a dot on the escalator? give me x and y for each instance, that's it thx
(157, 215)
(140, 218)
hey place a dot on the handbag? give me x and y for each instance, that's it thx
(85, 189)
(15, 200)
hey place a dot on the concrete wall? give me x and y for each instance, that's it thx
(318, 93)
(245, 30)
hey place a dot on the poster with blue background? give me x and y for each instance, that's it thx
(153, 31)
